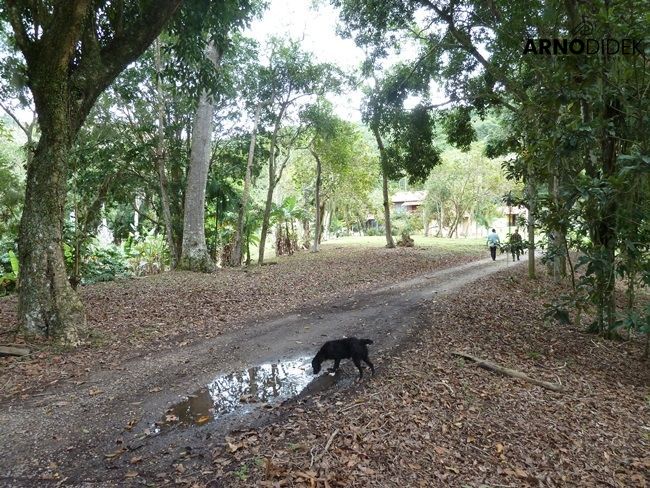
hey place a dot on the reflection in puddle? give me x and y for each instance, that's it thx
(242, 391)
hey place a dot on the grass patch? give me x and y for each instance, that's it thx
(469, 245)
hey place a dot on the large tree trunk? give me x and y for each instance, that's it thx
(236, 254)
(64, 93)
(195, 255)
(47, 303)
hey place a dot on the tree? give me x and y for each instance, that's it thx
(404, 137)
(290, 76)
(73, 50)
(236, 253)
(336, 146)
(572, 115)
(195, 256)
(464, 183)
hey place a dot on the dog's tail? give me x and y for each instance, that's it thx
(365, 341)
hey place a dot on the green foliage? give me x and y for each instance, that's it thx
(104, 263)
(465, 183)
(406, 222)
(287, 212)
(8, 278)
(637, 320)
(405, 137)
(11, 187)
(578, 125)
(458, 126)
(147, 256)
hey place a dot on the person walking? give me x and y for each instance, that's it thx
(516, 244)
(493, 241)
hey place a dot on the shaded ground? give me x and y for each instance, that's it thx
(68, 430)
(132, 318)
(426, 418)
(430, 419)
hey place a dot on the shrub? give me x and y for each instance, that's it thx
(148, 256)
(8, 272)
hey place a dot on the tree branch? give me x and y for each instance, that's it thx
(13, 116)
(20, 32)
(128, 44)
(145, 216)
(482, 363)
(466, 43)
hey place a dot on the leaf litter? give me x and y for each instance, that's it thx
(427, 418)
(431, 419)
(130, 318)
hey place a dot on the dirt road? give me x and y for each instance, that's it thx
(87, 432)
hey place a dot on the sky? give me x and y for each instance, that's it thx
(316, 28)
(314, 23)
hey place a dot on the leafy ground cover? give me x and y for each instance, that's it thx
(429, 418)
(131, 317)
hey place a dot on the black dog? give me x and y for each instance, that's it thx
(351, 347)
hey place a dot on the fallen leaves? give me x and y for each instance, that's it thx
(430, 420)
(426, 419)
(225, 300)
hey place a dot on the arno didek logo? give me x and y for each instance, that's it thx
(583, 41)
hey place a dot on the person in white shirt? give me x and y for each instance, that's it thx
(493, 241)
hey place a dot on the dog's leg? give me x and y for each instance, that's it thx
(357, 363)
(335, 368)
(367, 361)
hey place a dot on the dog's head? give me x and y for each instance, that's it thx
(315, 363)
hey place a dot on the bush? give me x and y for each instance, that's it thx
(104, 263)
(8, 272)
(148, 256)
(406, 240)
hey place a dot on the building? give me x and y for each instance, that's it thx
(408, 201)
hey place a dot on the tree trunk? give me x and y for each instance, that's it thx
(532, 208)
(272, 182)
(321, 225)
(390, 243)
(195, 255)
(317, 231)
(161, 160)
(327, 220)
(389, 231)
(236, 254)
(64, 93)
(559, 260)
(248, 243)
(47, 303)
(265, 222)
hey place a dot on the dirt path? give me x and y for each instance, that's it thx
(66, 432)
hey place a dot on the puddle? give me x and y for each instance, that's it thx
(246, 390)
